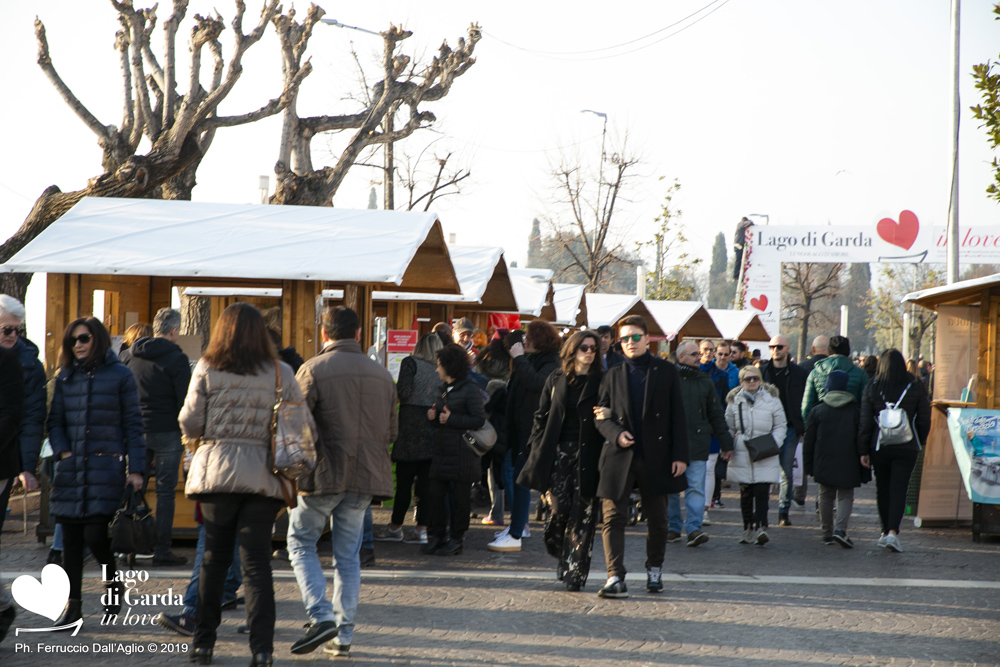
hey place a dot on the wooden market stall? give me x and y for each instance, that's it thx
(607, 309)
(682, 319)
(132, 253)
(743, 325)
(534, 293)
(570, 302)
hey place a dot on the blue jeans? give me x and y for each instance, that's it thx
(163, 458)
(234, 578)
(305, 525)
(368, 534)
(787, 460)
(521, 506)
(694, 501)
(508, 481)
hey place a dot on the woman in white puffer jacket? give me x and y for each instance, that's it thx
(754, 409)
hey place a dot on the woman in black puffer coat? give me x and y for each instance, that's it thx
(459, 408)
(892, 464)
(95, 427)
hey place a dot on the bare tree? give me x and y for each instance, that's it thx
(179, 127)
(805, 286)
(886, 307)
(424, 189)
(585, 233)
(672, 277)
(403, 84)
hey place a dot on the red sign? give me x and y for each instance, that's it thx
(401, 341)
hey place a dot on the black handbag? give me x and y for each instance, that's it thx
(760, 448)
(133, 528)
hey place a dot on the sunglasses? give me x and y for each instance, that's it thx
(777, 347)
(722, 354)
(587, 348)
(635, 338)
(751, 378)
(7, 331)
(82, 338)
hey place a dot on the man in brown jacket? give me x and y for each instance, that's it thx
(353, 400)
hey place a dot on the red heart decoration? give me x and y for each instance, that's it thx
(760, 303)
(902, 233)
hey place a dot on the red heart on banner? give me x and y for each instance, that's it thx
(760, 303)
(902, 233)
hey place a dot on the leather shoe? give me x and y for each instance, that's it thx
(783, 520)
(201, 656)
(71, 613)
(451, 548)
(261, 660)
(432, 546)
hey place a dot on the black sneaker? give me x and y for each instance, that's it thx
(842, 539)
(828, 541)
(232, 604)
(337, 650)
(367, 557)
(696, 537)
(182, 624)
(654, 580)
(169, 558)
(673, 536)
(615, 589)
(317, 635)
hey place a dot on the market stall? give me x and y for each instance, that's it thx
(743, 325)
(683, 319)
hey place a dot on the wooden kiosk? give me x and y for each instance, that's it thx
(134, 252)
(534, 293)
(742, 325)
(682, 319)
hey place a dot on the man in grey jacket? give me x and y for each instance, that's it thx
(353, 400)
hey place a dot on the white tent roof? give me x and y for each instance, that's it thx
(181, 238)
(235, 291)
(531, 288)
(606, 309)
(963, 289)
(732, 323)
(673, 316)
(568, 301)
(474, 267)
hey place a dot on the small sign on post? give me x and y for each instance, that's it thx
(399, 345)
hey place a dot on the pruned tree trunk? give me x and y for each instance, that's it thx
(196, 318)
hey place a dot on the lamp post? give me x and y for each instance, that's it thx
(600, 177)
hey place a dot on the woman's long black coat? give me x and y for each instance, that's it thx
(453, 460)
(548, 423)
(530, 371)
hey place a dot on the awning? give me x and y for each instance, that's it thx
(533, 291)
(742, 325)
(964, 292)
(689, 319)
(607, 309)
(570, 302)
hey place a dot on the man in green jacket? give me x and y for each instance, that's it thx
(839, 360)
(705, 417)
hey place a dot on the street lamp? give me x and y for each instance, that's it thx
(350, 27)
(600, 169)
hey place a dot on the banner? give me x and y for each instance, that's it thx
(399, 345)
(975, 435)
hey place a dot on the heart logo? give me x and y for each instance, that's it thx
(47, 597)
(760, 303)
(902, 233)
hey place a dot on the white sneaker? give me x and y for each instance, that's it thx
(525, 532)
(504, 544)
(502, 533)
(705, 521)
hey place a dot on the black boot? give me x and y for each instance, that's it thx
(432, 546)
(200, 656)
(261, 660)
(71, 613)
(452, 547)
(115, 594)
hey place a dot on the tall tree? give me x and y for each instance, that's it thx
(179, 126)
(618, 276)
(402, 84)
(720, 290)
(535, 257)
(806, 288)
(856, 295)
(987, 77)
(672, 277)
(886, 307)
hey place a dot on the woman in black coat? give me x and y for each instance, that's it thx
(95, 427)
(892, 464)
(563, 455)
(458, 409)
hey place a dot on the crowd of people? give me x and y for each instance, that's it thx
(595, 423)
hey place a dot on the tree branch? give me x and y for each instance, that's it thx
(269, 109)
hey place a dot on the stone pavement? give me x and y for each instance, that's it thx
(792, 602)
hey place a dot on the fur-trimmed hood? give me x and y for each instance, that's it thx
(771, 389)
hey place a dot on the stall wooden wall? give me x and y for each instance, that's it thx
(989, 364)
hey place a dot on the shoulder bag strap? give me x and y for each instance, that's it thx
(743, 429)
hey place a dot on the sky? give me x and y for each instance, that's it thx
(810, 113)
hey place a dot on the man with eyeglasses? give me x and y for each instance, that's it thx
(790, 379)
(640, 412)
(707, 350)
(725, 377)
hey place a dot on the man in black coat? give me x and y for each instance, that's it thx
(790, 379)
(641, 414)
(163, 373)
(11, 413)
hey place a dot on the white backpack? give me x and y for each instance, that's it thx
(893, 425)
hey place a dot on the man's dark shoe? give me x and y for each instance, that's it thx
(169, 558)
(696, 537)
(337, 650)
(614, 589)
(828, 541)
(572, 585)
(55, 557)
(182, 624)
(317, 635)
(842, 539)
(654, 580)
(432, 546)
(7, 617)
(783, 520)
(200, 656)
(261, 660)
(673, 536)
(451, 548)
(367, 557)
(232, 604)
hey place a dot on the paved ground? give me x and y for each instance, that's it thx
(792, 602)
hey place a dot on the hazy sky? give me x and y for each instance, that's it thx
(809, 112)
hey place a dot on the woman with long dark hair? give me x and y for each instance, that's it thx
(229, 406)
(95, 428)
(892, 464)
(564, 449)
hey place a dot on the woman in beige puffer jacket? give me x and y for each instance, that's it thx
(762, 413)
(229, 406)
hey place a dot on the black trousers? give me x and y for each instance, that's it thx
(753, 504)
(248, 518)
(893, 467)
(437, 494)
(5, 489)
(76, 535)
(410, 474)
(616, 516)
(572, 523)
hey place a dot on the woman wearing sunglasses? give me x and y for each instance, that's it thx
(564, 449)
(95, 427)
(754, 409)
